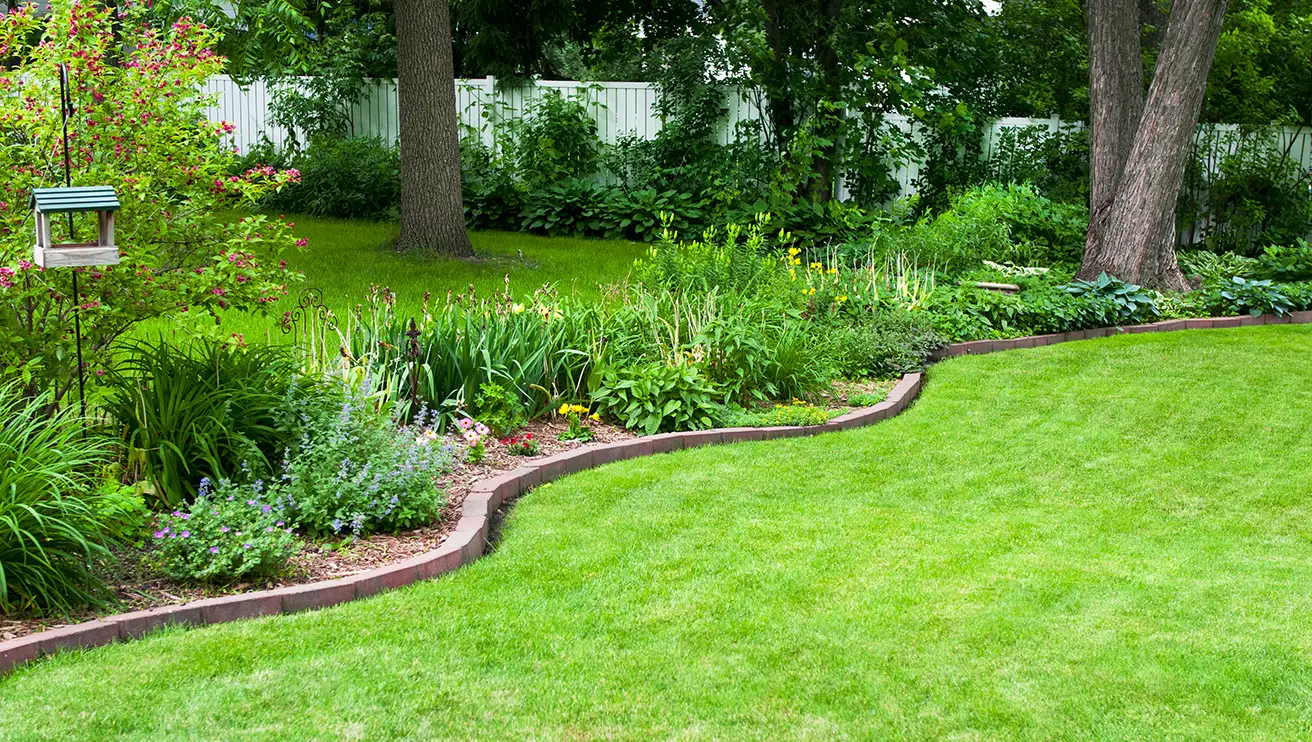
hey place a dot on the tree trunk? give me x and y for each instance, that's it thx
(1115, 105)
(821, 186)
(432, 211)
(1138, 237)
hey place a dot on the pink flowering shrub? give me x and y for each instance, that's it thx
(138, 125)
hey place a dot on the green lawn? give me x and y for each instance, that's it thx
(1107, 539)
(345, 257)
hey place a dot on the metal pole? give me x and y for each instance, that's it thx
(65, 108)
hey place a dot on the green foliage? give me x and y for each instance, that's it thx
(867, 399)
(1131, 301)
(1245, 296)
(204, 410)
(500, 409)
(1244, 191)
(1011, 223)
(351, 178)
(656, 397)
(1209, 267)
(139, 126)
(355, 471)
(539, 350)
(797, 413)
(734, 260)
(1286, 263)
(1055, 163)
(55, 524)
(555, 141)
(884, 345)
(228, 532)
(568, 207)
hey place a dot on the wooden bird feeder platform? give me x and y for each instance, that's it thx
(49, 201)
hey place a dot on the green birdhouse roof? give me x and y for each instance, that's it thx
(81, 198)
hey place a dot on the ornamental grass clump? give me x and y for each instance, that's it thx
(230, 531)
(54, 523)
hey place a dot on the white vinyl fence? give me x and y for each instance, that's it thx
(620, 109)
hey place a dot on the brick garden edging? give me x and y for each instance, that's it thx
(469, 539)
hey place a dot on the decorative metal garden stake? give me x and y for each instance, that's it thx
(67, 200)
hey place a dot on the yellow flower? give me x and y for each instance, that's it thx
(596, 416)
(842, 298)
(810, 291)
(792, 251)
(797, 261)
(563, 409)
(792, 274)
(817, 266)
(832, 271)
(517, 309)
(577, 408)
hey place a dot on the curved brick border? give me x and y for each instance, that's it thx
(469, 539)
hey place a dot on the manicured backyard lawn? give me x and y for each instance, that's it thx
(1107, 539)
(346, 256)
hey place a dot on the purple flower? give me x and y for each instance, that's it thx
(267, 508)
(186, 516)
(279, 524)
(224, 529)
(214, 550)
(177, 514)
(159, 534)
(251, 503)
(245, 546)
(269, 529)
(185, 534)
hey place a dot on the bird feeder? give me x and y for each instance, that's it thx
(50, 201)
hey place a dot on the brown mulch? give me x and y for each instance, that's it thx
(137, 586)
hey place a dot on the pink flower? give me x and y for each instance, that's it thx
(302, 242)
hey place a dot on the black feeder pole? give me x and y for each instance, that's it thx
(66, 110)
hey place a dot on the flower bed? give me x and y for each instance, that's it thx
(483, 496)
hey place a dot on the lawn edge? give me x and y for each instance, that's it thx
(469, 539)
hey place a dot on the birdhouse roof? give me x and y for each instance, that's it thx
(81, 198)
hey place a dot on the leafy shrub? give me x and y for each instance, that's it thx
(1131, 301)
(579, 208)
(1054, 162)
(349, 178)
(656, 397)
(1286, 263)
(500, 409)
(797, 413)
(185, 256)
(1209, 267)
(1244, 296)
(54, 522)
(997, 223)
(204, 410)
(1243, 192)
(885, 345)
(230, 532)
(355, 471)
(556, 140)
(643, 214)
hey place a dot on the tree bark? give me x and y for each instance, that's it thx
(1115, 105)
(1138, 231)
(432, 210)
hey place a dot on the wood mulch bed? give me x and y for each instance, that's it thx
(137, 586)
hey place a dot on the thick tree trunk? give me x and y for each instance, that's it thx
(1138, 234)
(1115, 105)
(821, 186)
(432, 211)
